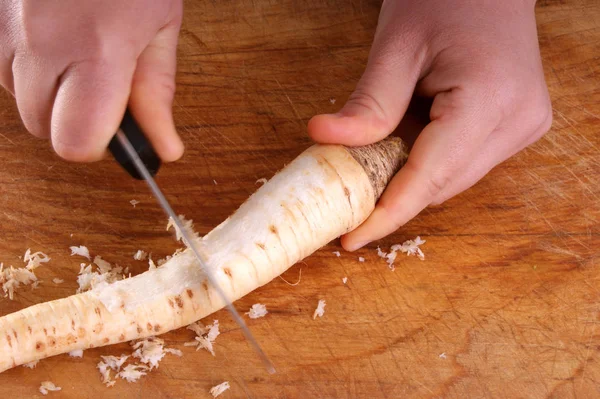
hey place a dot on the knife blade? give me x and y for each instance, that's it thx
(129, 146)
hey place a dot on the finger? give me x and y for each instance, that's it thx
(443, 149)
(35, 89)
(381, 97)
(89, 106)
(152, 93)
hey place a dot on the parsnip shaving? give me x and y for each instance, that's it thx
(213, 331)
(257, 310)
(76, 353)
(337, 253)
(188, 226)
(34, 260)
(261, 181)
(197, 327)
(219, 389)
(361, 259)
(114, 362)
(134, 202)
(388, 257)
(81, 251)
(409, 247)
(320, 310)
(205, 336)
(31, 365)
(140, 255)
(58, 280)
(345, 280)
(133, 372)
(48, 386)
(175, 352)
(391, 258)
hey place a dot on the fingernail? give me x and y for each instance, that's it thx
(358, 245)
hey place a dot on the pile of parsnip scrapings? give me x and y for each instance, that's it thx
(12, 278)
(149, 352)
(409, 247)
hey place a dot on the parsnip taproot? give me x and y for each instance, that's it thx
(327, 191)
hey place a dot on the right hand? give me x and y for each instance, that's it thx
(74, 66)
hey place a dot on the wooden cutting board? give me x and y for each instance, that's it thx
(505, 305)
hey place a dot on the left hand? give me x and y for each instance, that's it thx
(481, 64)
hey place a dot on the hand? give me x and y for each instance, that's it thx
(73, 67)
(480, 62)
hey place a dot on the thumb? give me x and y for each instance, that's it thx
(381, 97)
(152, 92)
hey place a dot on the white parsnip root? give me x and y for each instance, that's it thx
(324, 193)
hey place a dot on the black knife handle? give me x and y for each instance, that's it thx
(141, 145)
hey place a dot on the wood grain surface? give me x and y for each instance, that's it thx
(505, 305)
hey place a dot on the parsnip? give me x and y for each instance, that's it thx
(327, 191)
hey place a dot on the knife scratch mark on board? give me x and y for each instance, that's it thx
(7, 139)
(299, 119)
(588, 349)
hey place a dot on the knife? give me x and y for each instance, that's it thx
(135, 154)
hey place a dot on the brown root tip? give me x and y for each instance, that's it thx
(381, 161)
